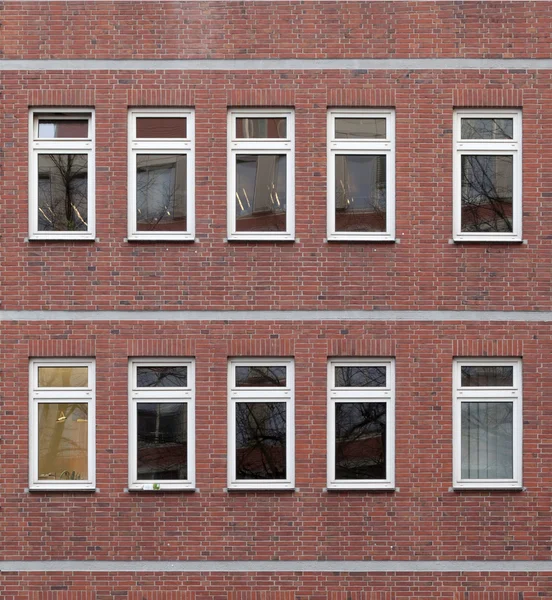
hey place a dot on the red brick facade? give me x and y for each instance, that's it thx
(423, 519)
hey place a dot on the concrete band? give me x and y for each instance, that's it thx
(278, 315)
(282, 566)
(274, 64)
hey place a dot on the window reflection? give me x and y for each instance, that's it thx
(261, 127)
(350, 128)
(360, 193)
(487, 129)
(161, 192)
(360, 440)
(487, 376)
(62, 441)
(487, 192)
(153, 376)
(360, 376)
(260, 192)
(62, 192)
(62, 128)
(162, 443)
(260, 440)
(259, 376)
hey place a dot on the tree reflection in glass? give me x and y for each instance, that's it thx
(261, 440)
(62, 192)
(155, 376)
(360, 440)
(261, 193)
(487, 192)
(360, 376)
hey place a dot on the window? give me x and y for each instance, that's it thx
(487, 423)
(161, 175)
(260, 414)
(361, 424)
(162, 424)
(487, 175)
(62, 430)
(261, 175)
(61, 181)
(361, 175)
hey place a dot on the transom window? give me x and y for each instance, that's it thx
(62, 429)
(487, 423)
(161, 175)
(487, 175)
(61, 174)
(261, 428)
(162, 417)
(361, 424)
(361, 175)
(261, 175)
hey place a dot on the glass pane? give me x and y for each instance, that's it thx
(61, 377)
(360, 376)
(487, 193)
(261, 192)
(62, 192)
(172, 376)
(360, 128)
(261, 440)
(161, 127)
(261, 127)
(487, 440)
(161, 192)
(260, 376)
(360, 193)
(61, 128)
(63, 441)
(487, 376)
(487, 129)
(162, 443)
(360, 438)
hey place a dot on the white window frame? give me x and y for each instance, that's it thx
(159, 395)
(337, 146)
(255, 146)
(39, 146)
(185, 146)
(362, 394)
(59, 395)
(488, 394)
(261, 394)
(488, 147)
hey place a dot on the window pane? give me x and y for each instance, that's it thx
(161, 127)
(62, 192)
(487, 440)
(162, 443)
(360, 438)
(161, 192)
(252, 376)
(487, 129)
(171, 376)
(261, 127)
(487, 193)
(63, 441)
(364, 128)
(260, 192)
(260, 440)
(360, 193)
(360, 376)
(487, 376)
(61, 128)
(61, 377)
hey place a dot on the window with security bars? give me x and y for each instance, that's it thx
(61, 174)
(487, 175)
(161, 418)
(361, 417)
(161, 175)
(487, 423)
(261, 424)
(361, 175)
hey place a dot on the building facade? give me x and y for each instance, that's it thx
(275, 295)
